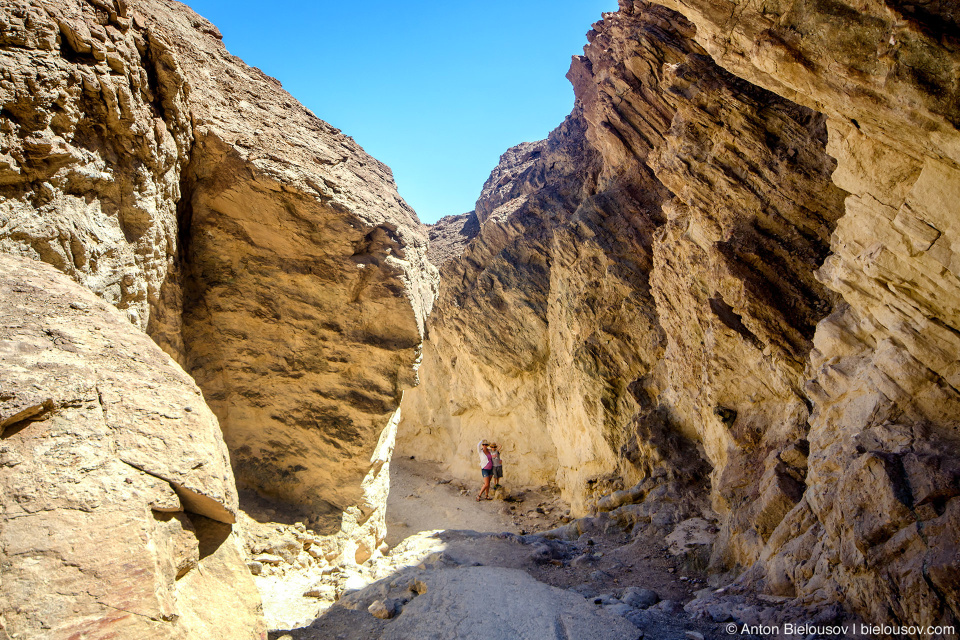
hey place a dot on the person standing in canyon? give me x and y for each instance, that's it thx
(486, 468)
(497, 465)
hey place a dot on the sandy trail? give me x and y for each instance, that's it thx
(422, 499)
(598, 567)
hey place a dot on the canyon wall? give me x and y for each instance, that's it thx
(878, 523)
(259, 246)
(730, 269)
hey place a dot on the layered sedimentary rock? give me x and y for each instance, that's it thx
(882, 480)
(117, 494)
(696, 273)
(520, 343)
(259, 246)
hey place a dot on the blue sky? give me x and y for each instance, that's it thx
(436, 90)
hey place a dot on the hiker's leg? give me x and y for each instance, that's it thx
(485, 487)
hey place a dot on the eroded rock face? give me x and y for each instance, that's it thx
(882, 487)
(520, 344)
(450, 235)
(790, 313)
(94, 131)
(117, 494)
(259, 246)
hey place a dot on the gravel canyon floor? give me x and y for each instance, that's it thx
(489, 573)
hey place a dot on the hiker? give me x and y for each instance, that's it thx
(486, 467)
(497, 465)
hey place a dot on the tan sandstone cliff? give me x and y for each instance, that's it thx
(259, 246)
(734, 291)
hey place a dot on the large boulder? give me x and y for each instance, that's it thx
(116, 495)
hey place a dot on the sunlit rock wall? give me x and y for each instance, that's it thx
(117, 499)
(666, 301)
(259, 246)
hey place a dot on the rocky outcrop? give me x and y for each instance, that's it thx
(698, 275)
(450, 235)
(117, 494)
(259, 246)
(520, 339)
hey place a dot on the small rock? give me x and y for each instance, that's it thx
(255, 567)
(694, 635)
(379, 609)
(670, 607)
(719, 612)
(598, 575)
(418, 587)
(325, 591)
(639, 598)
(583, 561)
(620, 609)
(671, 570)
(268, 558)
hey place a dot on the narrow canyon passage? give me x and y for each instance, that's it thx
(422, 498)
(713, 318)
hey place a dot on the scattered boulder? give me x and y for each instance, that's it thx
(639, 598)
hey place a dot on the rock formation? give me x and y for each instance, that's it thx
(259, 246)
(723, 292)
(616, 270)
(883, 482)
(698, 286)
(117, 494)
(450, 235)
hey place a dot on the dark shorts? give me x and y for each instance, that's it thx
(486, 473)
(498, 472)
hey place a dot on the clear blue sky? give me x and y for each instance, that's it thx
(436, 90)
